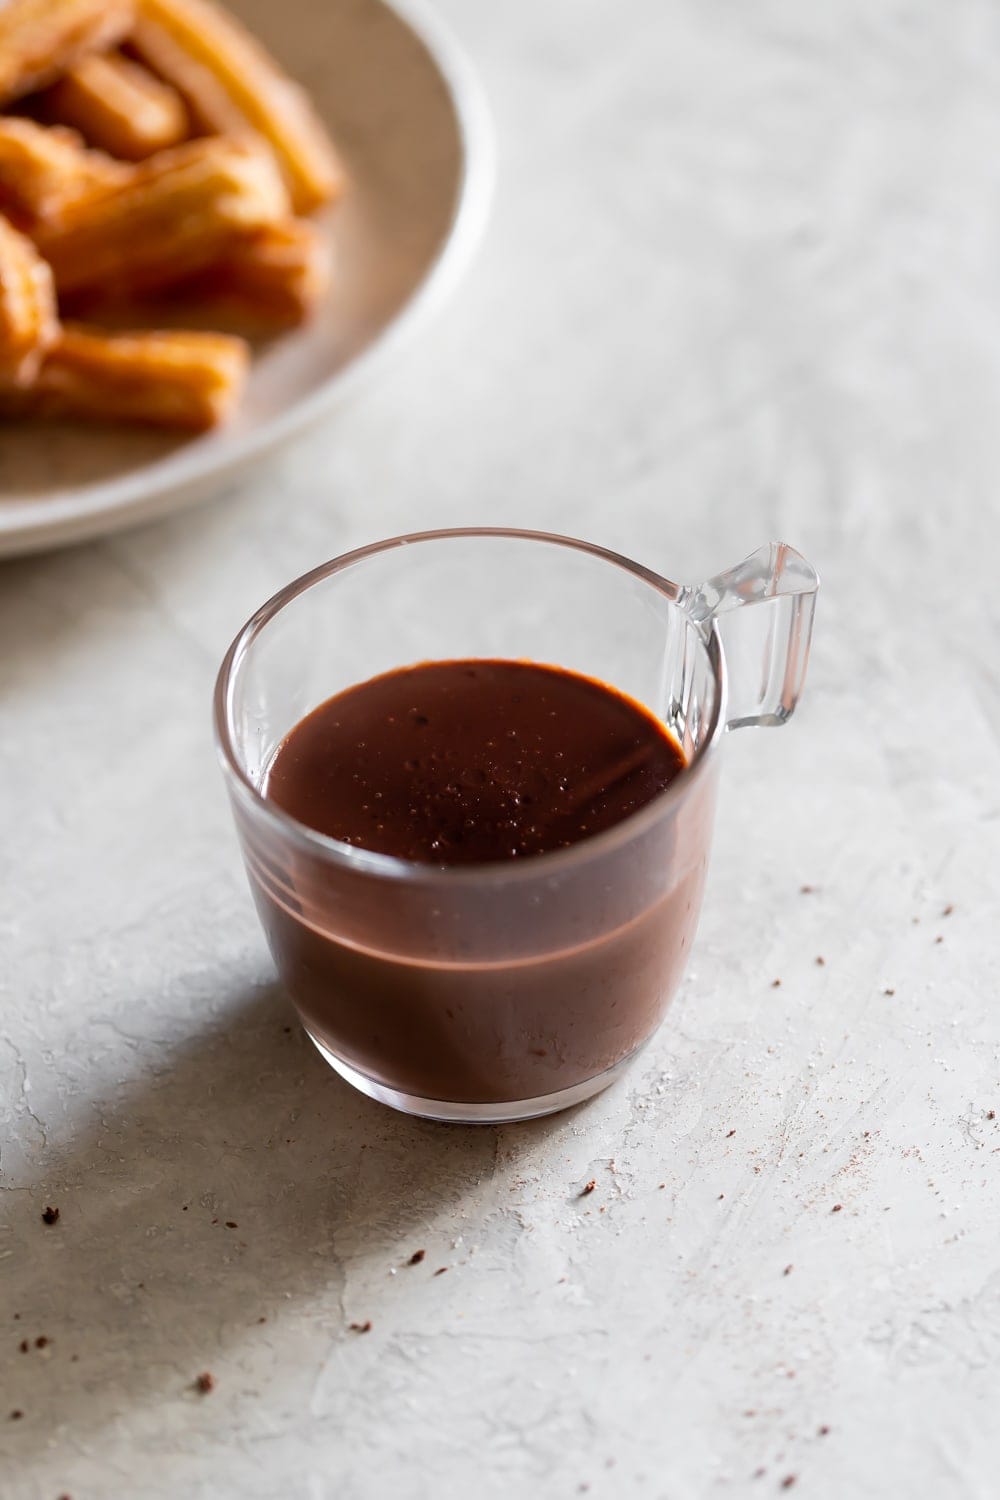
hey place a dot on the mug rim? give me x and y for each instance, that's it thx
(390, 866)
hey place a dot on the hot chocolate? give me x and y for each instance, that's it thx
(490, 764)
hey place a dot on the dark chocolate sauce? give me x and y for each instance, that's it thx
(466, 762)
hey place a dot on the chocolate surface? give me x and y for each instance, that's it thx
(462, 762)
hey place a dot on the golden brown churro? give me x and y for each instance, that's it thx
(232, 84)
(273, 278)
(114, 210)
(118, 105)
(171, 215)
(28, 323)
(184, 380)
(44, 169)
(41, 38)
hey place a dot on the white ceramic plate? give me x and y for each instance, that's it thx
(408, 117)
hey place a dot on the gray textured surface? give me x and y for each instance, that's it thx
(743, 280)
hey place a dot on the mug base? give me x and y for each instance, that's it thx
(503, 1112)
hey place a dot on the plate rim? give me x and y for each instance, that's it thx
(120, 503)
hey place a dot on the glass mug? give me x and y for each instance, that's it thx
(500, 991)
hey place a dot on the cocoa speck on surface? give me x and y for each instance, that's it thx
(947, 911)
(888, 990)
(588, 1187)
(788, 1270)
(231, 1224)
(824, 1430)
(991, 1114)
(806, 890)
(416, 1257)
(440, 1270)
(730, 1133)
(365, 1327)
(24, 1346)
(788, 1481)
(776, 984)
(939, 939)
(837, 1208)
(50, 1215)
(41, 1341)
(204, 1383)
(820, 960)
(16, 1415)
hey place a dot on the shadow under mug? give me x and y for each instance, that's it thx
(501, 991)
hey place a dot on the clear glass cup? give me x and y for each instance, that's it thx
(500, 991)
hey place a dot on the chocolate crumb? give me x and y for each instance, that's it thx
(991, 1114)
(824, 1430)
(837, 1207)
(776, 984)
(888, 990)
(758, 1473)
(184, 1208)
(41, 1341)
(788, 1481)
(820, 961)
(440, 1270)
(365, 1327)
(806, 890)
(730, 1133)
(16, 1416)
(74, 1358)
(416, 1257)
(50, 1215)
(204, 1383)
(261, 1320)
(231, 1224)
(215, 1221)
(663, 1184)
(588, 1187)
(24, 1346)
(287, 1030)
(17, 1317)
(948, 910)
(939, 939)
(720, 1197)
(788, 1270)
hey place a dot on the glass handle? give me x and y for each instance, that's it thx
(765, 645)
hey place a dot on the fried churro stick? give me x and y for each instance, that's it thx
(274, 278)
(39, 39)
(232, 84)
(118, 105)
(184, 380)
(171, 215)
(28, 322)
(45, 169)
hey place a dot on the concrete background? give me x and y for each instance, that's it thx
(742, 281)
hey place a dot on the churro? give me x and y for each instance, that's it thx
(171, 215)
(184, 380)
(232, 84)
(273, 278)
(39, 39)
(28, 322)
(45, 169)
(118, 105)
